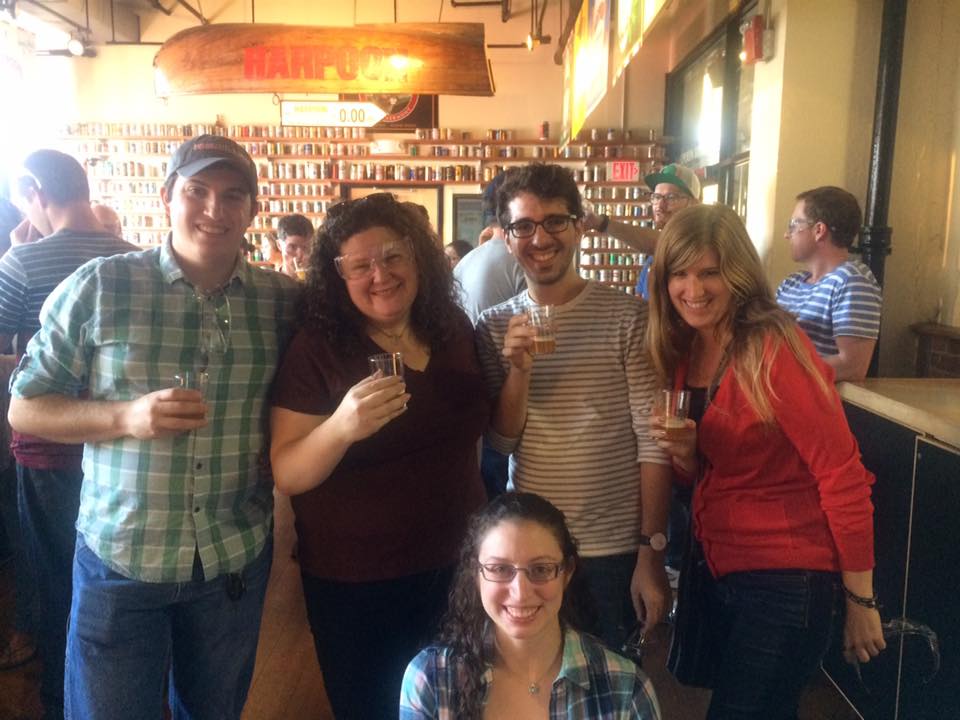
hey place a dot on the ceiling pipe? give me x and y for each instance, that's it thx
(567, 30)
(504, 6)
(156, 5)
(193, 11)
(63, 18)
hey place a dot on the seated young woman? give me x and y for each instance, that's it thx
(509, 647)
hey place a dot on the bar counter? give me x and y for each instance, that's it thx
(926, 405)
(908, 430)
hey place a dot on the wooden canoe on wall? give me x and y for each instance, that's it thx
(412, 58)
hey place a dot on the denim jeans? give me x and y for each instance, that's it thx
(773, 628)
(125, 634)
(494, 469)
(366, 633)
(608, 579)
(25, 581)
(48, 503)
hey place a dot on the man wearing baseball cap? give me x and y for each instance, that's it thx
(160, 361)
(673, 188)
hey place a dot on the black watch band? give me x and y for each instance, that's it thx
(604, 224)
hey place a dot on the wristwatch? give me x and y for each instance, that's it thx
(657, 541)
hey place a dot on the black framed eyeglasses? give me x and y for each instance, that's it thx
(671, 198)
(537, 573)
(552, 224)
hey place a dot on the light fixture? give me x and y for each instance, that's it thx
(75, 46)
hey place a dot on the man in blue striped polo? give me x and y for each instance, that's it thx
(836, 300)
(53, 193)
(575, 421)
(160, 362)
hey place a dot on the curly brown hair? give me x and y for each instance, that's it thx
(326, 306)
(466, 626)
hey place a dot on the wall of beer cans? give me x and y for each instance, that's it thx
(303, 170)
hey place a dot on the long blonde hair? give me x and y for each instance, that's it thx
(754, 317)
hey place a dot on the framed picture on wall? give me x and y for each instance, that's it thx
(428, 197)
(467, 217)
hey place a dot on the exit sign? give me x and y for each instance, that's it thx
(624, 171)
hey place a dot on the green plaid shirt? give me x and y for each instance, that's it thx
(123, 326)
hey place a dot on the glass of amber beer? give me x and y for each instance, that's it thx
(541, 318)
(670, 408)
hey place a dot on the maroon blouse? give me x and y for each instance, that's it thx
(398, 502)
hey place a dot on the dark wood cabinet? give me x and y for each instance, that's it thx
(917, 575)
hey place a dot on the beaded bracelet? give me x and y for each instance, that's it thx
(871, 603)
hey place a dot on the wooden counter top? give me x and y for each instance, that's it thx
(928, 405)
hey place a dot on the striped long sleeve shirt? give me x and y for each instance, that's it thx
(586, 428)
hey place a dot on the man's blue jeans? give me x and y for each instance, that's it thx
(48, 502)
(608, 578)
(124, 635)
(772, 627)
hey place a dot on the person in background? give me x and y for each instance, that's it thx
(673, 188)
(488, 276)
(383, 470)
(108, 218)
(270, 252)
(575, 419)
(782, 508)
(295, 240)
(456, 251)
(836, 300)
(173, 537)
(18, 647)
(54, 195)
(511, 644)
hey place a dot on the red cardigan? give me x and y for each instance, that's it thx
(794, 495)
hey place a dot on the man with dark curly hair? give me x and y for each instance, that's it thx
(575, 420)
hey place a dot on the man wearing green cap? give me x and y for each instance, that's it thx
(673, 188)
(160, 362)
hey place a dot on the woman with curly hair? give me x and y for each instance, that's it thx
(383, 470)
(782, 507)
(509, 647)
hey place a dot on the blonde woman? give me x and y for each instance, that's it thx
(782, 507)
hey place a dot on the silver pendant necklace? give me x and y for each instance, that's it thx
(534, 687)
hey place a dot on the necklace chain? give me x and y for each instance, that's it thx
(395, 337)
(534, 687)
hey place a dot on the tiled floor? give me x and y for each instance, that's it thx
(287, 683)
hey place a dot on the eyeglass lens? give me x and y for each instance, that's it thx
(538, 573)
(551, 224)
